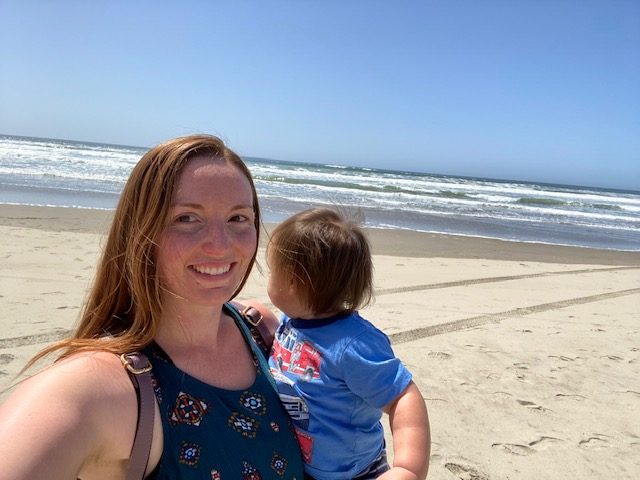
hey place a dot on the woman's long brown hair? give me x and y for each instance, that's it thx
(122, 310)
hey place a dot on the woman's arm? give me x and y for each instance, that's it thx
(76, 417)
(409, 424)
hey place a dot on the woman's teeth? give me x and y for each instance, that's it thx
(211, 270)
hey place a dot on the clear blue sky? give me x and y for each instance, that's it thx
(541, 90)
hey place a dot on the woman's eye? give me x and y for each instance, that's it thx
(240, 218)
(186, 218)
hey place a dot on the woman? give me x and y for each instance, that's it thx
(182, 244)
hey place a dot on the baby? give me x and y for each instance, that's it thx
(336, 373)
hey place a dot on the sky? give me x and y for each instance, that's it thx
(536, 90)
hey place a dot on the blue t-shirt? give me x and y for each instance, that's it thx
(334, 376)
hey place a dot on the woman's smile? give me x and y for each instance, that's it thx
(211, 270)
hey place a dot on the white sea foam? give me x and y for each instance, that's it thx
(75, 173)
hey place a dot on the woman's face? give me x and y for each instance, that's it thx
(210, 237)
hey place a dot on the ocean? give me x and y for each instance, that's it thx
(63, 173)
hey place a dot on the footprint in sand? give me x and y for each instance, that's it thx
(519, 371)
(465, 472)
(574, 396)
(544, 442)
(596, 441)
(528, 448)
(502, 394)
(613, 357)
(520, 376)
(488, 350)
(562, 357)
(514, 448)
(439, 355)
(533, 406)
(6, 358)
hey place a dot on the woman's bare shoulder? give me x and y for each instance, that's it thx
(65, 414)
(89, 374)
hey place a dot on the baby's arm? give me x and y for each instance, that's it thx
(409, 424)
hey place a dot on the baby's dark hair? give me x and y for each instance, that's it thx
(327, 256)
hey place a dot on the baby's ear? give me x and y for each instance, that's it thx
(293, 285)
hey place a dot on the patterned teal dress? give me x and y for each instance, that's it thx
(216, 434)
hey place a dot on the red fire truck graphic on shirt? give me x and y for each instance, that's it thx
(296, 357)
(301, 359)
(297, 409)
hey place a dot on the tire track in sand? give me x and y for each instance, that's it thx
(476, 281)
(52, 336)
(400, 337)
(462, 324)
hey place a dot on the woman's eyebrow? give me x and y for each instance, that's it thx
(242, 206)
(201, 207)
(187, 205)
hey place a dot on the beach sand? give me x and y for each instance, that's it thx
(528, 355)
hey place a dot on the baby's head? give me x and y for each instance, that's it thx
(320, 265)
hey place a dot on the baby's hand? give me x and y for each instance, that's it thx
(399, 473)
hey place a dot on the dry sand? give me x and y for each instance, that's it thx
(528, 355)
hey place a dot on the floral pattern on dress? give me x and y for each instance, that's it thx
(189, 454)
(254, 402)
(279, 464)
(188, 410)
(249, 472)
(247, 426)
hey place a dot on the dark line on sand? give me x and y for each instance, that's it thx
(462, 283)
(407, 336)
(465, 323)
(52, 336)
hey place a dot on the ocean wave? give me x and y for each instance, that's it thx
(42, 169)
(540, 201)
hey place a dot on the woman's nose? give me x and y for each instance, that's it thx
(216, 238)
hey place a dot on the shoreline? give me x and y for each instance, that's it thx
(406, 243)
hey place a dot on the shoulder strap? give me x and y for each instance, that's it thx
(139, 369)
(242, 322)
(259, 330)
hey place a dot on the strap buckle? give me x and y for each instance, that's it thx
(252, 315)
(128, 360)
